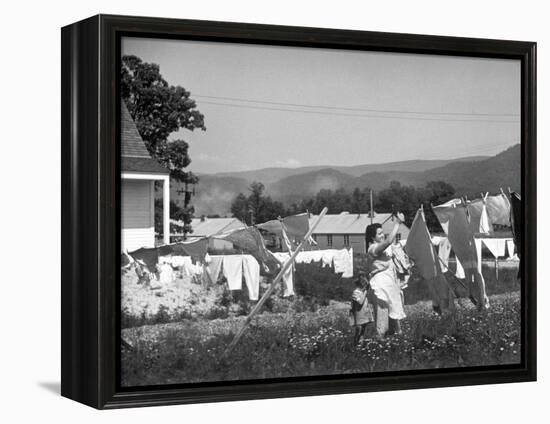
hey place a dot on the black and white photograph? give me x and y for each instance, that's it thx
(291, 212)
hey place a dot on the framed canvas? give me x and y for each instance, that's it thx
(254, 211)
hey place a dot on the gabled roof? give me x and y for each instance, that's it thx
(353, 223)
(209, 226)
(135, 156)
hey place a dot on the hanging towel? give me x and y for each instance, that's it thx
(343, 262)
(251, 271)
(213, 269)
(485, 225)
(497, 247)
(233, 271)
(288, 280)
(510, 245)
(498, 209)
(478, 251)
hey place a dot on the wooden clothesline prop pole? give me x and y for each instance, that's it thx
(371, 209)
(274, 283)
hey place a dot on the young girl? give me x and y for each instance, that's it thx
(361, 312)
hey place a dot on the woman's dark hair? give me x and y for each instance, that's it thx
(370, 232)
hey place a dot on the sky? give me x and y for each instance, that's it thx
(274, 106)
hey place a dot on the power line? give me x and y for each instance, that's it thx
(351, 109)
(355, 115)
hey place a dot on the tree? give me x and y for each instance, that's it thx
(257, 207)
(159, 109)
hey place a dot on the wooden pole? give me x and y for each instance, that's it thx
(271, 288)
(371, 209)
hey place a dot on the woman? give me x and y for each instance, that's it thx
(386, 290)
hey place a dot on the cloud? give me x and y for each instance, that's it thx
(289, 163)
(207, 158)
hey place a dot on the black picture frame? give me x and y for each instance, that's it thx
(90, 178)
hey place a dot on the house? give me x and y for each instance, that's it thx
(206, 227)
(139, 173)
(348, 230)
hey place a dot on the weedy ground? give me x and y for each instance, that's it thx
(319, 341)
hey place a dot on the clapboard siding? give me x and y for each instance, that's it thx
(137, 214)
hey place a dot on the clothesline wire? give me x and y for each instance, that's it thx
(318, 112)
(354, 109)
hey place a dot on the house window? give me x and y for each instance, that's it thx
(329, 240)
(346, 240)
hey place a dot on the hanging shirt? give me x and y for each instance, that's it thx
(251, 271)
(233, 271)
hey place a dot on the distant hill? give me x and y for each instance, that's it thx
(272, 175)
(468, 176)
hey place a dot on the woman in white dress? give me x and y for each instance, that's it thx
(384, 283)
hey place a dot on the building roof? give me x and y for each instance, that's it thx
(206, 227)
(135, 156)
(352, 223)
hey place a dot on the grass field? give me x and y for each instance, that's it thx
(309, 343)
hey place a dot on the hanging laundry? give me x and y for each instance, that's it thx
(478, 252)
(214, 268)
(444, 213)
(497, 246)
(166, 274)
(516, 220)
(343, 262)
(295, 227)
(479, 221)
(498, 209)
(288, 281)
(148, 256)
(250, 241)
(422, 253)
(251, 272)
(461, 237)
(459, 273)
(510, 246)
(233, 271)
(419, 248)
(195, 249)
(444, 252)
